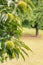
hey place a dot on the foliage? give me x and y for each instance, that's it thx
(24, 10)
(38, 14)
(10, 31)
(34, 13)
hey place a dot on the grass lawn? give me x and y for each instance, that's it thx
(31, 31)
(36, 44)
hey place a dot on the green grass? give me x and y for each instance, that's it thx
(28, 31)
(31, 31)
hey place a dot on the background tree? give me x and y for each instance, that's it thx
(38, 12)
(32, 14)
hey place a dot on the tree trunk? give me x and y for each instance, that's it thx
(36, 29)
(36, 32)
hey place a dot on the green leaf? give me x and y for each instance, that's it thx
(22, 55)
(25, 46)
(16, 52)
(24, 52)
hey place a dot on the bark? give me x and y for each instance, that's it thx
(36, 31)
(36, 26)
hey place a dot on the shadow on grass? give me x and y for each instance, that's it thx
(28, 35)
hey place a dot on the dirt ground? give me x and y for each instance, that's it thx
(35, 57)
